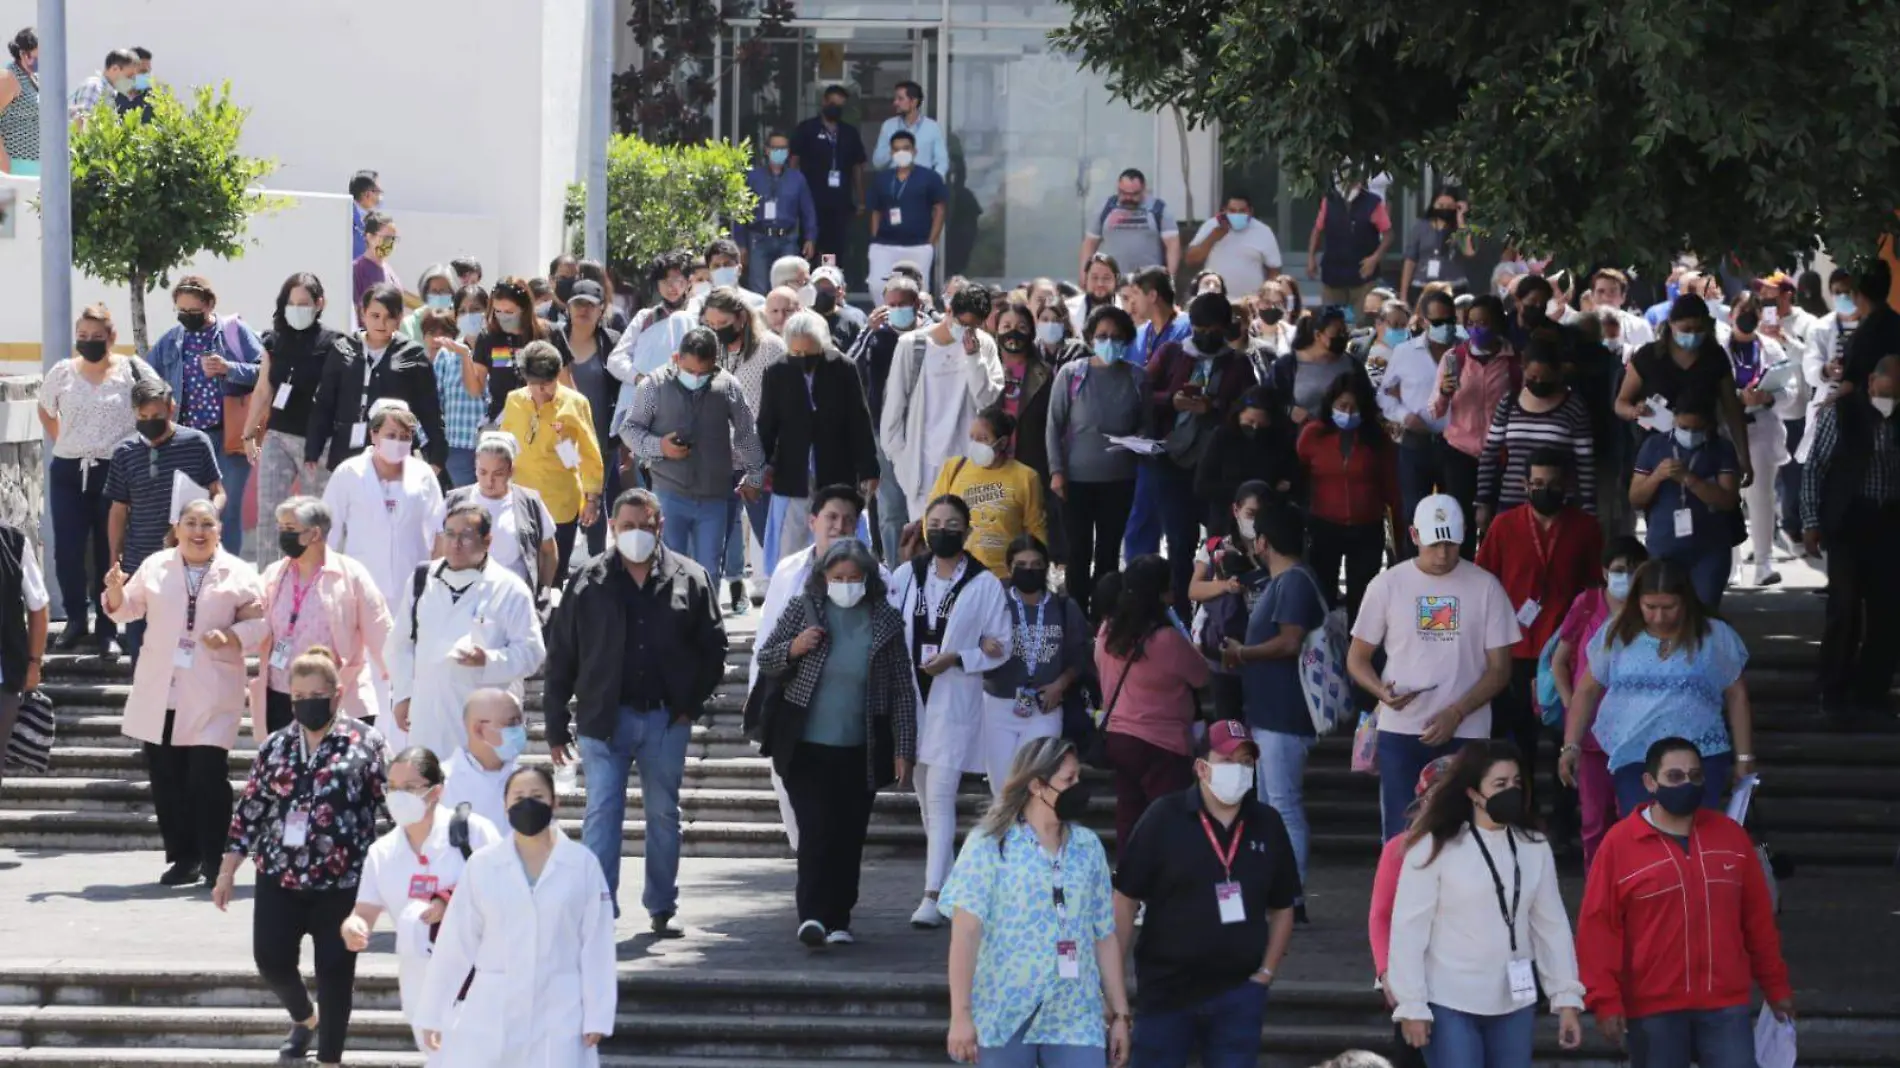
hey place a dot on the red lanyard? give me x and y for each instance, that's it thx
(298, 591)
(1233, 847)
(1544, 551)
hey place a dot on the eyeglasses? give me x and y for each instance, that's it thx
(1677, 776)
(464, 537)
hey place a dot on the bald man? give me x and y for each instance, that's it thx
(478, 772)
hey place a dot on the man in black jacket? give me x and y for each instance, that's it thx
(640, 644)
(375, 364)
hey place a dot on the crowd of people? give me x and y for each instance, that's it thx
(952, 510)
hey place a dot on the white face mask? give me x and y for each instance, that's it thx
(1883, 405)
(1230, 782)
(845, 594)
(636, 545)
(902, 159)
(807, 295)
(700, 289)
(1243, 525)
(392, 450)
(980, 453)
(300, 316)
(725, 276)
(405, 808)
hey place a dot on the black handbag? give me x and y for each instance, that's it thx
(1095, 752)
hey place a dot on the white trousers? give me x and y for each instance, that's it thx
(937, 800)
(884, 257)
(1763, 516)
(1005, 733)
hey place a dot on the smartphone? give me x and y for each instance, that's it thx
(1412, 693)
(1192, 389)
(1256, 578)
(682, 441)
(1770, 315)
(830, 260)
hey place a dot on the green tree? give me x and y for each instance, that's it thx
(1609, 131)
(150, 194)
(668, 94)
(666, 197)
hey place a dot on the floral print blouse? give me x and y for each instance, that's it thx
(340, 786)
(1011, 891)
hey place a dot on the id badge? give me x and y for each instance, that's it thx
(1028, 702)
(280, 654)
(771, 211)
(569, 453)
(1068, 960)
(296, 829)
(186, 652)
(897, 216)
(835, 179)
(1527, 612)
(422, 887)
(389, 505)
(1523, 982)
(925, 654)
(358, 435)
(1685, 523)
(283, 396)
(1233, 907)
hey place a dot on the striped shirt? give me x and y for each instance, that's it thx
(1516, 432)
(462, 415)
(140, 476)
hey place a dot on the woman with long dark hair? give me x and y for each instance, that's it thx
(510, 326)
(1351, 470)
(1465, 985)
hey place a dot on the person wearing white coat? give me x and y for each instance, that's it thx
(940, 377)
(1827, 351)
(956, 622)
(411, 872)
(533, 918)
(464, 624)
(1769, 382)
(477, 773)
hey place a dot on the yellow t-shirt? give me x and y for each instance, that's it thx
(1005, 502)
(540, 467)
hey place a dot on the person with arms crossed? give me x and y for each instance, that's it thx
(907, 205)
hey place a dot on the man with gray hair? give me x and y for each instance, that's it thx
(496, 736)
(524, 528)
(793, 271)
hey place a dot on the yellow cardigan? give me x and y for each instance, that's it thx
(568, 417)
(1005, 501)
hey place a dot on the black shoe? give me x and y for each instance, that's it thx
(1299, 914)
(100, 644)
(183, 873)
(71, 638)
(664, 927)
(296, 1045)
(739, 599)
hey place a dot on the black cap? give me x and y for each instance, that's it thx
(587, 289)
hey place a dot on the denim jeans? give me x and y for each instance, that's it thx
(761, 252)
(1631, 795)
(234, 470)
(1418, 474)
(1401, 758)
(1281, 771)
(892, 510)
(1143, 537)
(1225, 1029)
(132, 639)
(657, 746)
(696, 527)
(1712, 1038)
(81, 552)
(1019, 1054)
(596, 535)
(754, 513)
(1464, 1040)
(460, 467)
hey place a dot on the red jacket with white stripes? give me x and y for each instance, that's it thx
(1667, 930)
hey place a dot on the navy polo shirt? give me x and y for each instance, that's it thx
(913, 197)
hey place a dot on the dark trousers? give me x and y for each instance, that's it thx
(1180, 520)
(1143, 773)
(833, 806)
(1419, 477)
(1788, 481)
(81, 552)
(1461, 481)
(1861, 639)
(834, 233)
(1223, 1029)
(1359, 548)
(277, 714)
(191, 794)
(1096, 516)
(1228, 699)
(609, 491)
(1514, 719)
(563, 547)
(9, 718)
(280, 919)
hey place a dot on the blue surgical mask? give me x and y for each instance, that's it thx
(1049, 333)
(1111, 349)
(693, 383)
(1345, 420)
(778, 156)
(1238, 222)
(1844, 305)
(902, 318)
(1686, 341)
(1396, 336)
(439, 300)
(725, 276)
(1691, 439)
(957, 330)
(1443, 335)
(1618, 585)
(141, 81)
(514, 742)
(469, 323)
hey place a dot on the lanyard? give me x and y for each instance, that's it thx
(1031, 642)
(1517, 881)
(1057, 893)
(192, 590)
(897, 188)
(1233, 848)
(298, 591)
(1544, 551)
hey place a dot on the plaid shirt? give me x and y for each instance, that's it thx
(1880, 483)
(462, 415)
(892, 690)
(87, 97)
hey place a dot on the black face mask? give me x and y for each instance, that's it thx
(825, 302)
(808, 364)
(1680, 800)
(727, 334)
(832, 112)
(945, 544)
(291, 542)
(563, 289)
(312, 713)
(1272, 316)
(1337, 345)
(1016, 341)
(1747, 322)
(530, 815)
(1506, 806)
(1029, 579)
(1543, 390)
(1530, 315)
(193, 321)
(1249, 431)
(91, 351)
(1445, 215)
(1548, 500)
(152, 429)
(1210, 340)
(1072, 804)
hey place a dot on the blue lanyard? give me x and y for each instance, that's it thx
(1031, 642)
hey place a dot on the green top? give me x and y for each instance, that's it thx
(837, 705)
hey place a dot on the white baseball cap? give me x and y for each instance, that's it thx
(1439, 518)
(829, 274)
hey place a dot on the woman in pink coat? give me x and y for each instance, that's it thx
(201, 607)
(317, 596)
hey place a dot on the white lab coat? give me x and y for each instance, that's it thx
(465, 780)
(543, 957)
(928, 408)
(1767, 437)
(950, 722)
(389, 544)
(1814, 363)
(496, 614)
(387, 872)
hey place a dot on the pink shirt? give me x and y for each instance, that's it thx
(355, 621)
(1480, 387)
(158, 594)
(1157, 702)
(312, 626)
(1385, 890)
(1587, 615)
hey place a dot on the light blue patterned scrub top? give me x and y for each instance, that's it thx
(1012, 893)
(1647, 699)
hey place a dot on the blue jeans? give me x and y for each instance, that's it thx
(234, 470)
(461, 467)
(696, 526)
(657, 745)
(1143, 537)
(1712, 1038)
(1708, 566)
(1019, 1054)
(1168, 493)
(1401, 758)
(132, 639)
(754, 512)
(761, 252)
(1280, 774)
(1630, 794)
(1225, 1029)
(893, 510)
(1462, 1040)
(81, 551)
(609, 490)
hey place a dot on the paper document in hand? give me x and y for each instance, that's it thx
(1774, 1040)
(1738, 801)
(185, 491)
(1138, 446)
(1660, 419)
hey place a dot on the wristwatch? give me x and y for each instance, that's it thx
(1570, 747)
(1264, 973)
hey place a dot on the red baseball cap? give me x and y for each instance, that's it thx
(1230, 736)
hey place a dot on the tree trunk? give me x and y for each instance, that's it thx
(139, 340)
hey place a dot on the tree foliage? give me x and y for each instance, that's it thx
(666, 197)
(1620, 131)
(151, 194)
(669, 93)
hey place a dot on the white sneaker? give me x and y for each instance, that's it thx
(1765, 576)
(812, 933)
(927, 916)
(839, 938)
